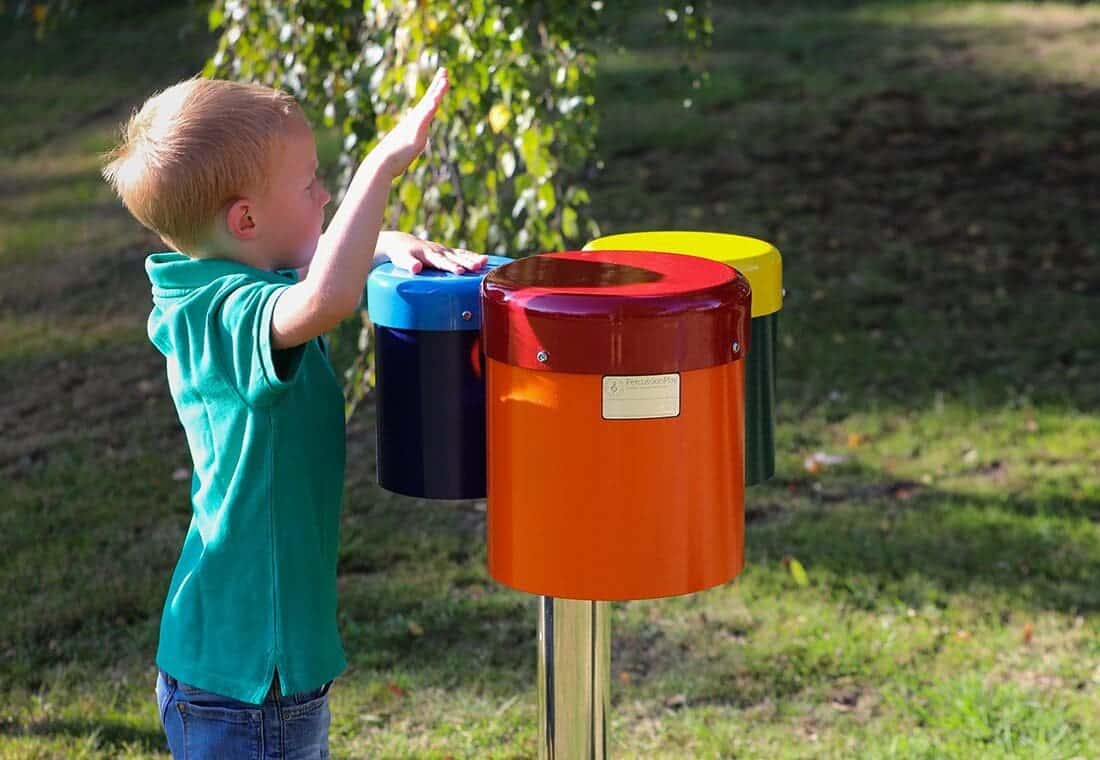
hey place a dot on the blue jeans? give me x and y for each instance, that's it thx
(200, 724)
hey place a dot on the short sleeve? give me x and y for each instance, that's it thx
(260, 373)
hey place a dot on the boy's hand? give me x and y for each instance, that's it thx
(405, 141)
(411, 253)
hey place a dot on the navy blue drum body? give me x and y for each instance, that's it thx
(429, 381)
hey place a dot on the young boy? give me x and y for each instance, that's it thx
(225, 173)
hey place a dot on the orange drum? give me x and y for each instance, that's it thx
(615, 428)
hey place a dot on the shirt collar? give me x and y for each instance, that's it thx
(172, 271)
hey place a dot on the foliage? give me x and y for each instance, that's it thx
(504, 169)
(506, 165)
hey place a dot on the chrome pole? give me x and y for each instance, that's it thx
(574, 678)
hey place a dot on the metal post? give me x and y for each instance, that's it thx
(574, 678)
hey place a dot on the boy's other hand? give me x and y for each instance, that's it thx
(411, 253)
(406, 141)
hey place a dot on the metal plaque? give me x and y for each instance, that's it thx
(641, 397)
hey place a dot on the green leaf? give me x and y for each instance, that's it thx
(569, 223)
(547, 199)
(215, 18)
(529, 150)
(480, 235)
(798, 573)
(410, 195)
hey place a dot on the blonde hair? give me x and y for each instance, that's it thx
(194, 148)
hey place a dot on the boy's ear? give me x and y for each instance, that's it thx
(239, 220)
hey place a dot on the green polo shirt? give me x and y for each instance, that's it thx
(254, 590)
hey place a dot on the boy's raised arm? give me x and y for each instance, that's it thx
(333, 288)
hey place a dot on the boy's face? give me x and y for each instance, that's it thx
(294, 204)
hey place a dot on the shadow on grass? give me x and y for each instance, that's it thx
(886, 548)
(914, 545)
(103, 732)
(94, 60)
(933, 209)
(415, 594)
(874, 544)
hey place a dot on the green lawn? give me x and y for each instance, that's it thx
(929, 172)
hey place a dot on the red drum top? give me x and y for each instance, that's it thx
(615, 312)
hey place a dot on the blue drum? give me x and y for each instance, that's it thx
(429, 380)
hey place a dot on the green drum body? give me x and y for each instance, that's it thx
(760, 262)
(760, 400)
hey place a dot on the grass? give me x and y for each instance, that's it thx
(925, 169)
